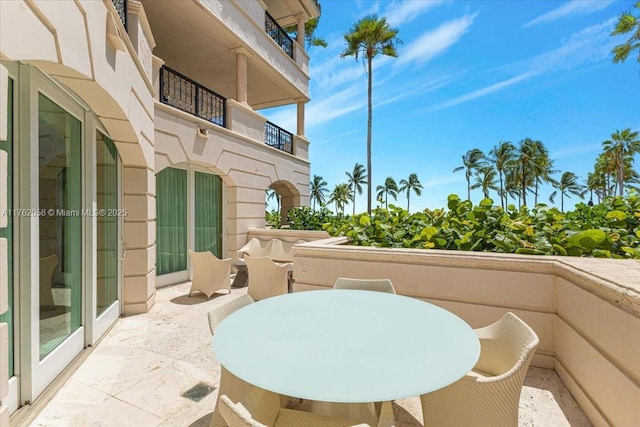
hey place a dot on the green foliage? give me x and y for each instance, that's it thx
(610, 229)
(273, 218)
(307, 219)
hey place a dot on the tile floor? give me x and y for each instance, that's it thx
(137, 375)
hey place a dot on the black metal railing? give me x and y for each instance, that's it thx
(275, 136)
(279, 35)
(121, 8)
(181, 92)
(317, 4)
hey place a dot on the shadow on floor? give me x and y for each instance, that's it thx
(196, 298)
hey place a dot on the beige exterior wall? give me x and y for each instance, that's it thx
(246, 165)
(585, 311)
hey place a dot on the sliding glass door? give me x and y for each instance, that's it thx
(60, 226)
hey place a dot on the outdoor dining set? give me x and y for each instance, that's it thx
(352, 350)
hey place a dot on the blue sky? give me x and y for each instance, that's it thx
(469, 74)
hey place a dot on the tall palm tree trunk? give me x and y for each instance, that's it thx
(354, 199)
(370, 109)
(524, 185)
(408, 197)
(502, 195)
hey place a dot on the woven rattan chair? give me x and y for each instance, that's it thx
(489, 395)
(261, 408)
(218, 314)
(378, 285)
(209, 274)
(254, 247)
(266, 278)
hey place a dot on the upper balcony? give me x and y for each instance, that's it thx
(202, 39)
(183, 93)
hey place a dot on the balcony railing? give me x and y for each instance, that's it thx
(275, 136)
(185, 94)
(121, 8)
(279, 35)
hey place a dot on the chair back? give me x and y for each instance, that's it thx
(218, 314)
(378, 285)
(266, 278)
(506, 345)
(254, 247)
(490, 394)
(209, 273)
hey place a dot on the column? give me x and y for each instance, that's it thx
(300, 30)
(241, 73)
(300, 116)
(4, 267)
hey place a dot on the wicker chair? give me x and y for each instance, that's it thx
(254, 247)
(489, 395)
(261, 408)
(266, 278)
(218, 314)
(379, 285)
(209, 274)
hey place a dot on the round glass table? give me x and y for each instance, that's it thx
(346, 346)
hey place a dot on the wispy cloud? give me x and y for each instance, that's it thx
(484, 91)
(574, 7)
(589, 45)
(405, 11)
(435, 42)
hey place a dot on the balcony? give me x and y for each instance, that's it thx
(279, 35)
(183, 93)
(121, 8)
(276, 137)
(585, 311)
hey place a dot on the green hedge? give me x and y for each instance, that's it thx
(607, 230)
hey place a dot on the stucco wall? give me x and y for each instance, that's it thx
(247, 166)
(84, 45)
(585, 311)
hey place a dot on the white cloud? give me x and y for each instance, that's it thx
(588, 45)
(402, 12)
(484, 91)
(573, 7)
(435, 42)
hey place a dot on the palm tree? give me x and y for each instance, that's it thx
(567, 185)
(526, 155)
(472, 161)
(413, 183)
(389, 188)
(271, 193)
(356, 179)
(627, 23)
(486, 179)
(318, 190)
(340, 196)
(623, 145)
(368, 38)
(543, 168)
(310, 37)
(502, 156)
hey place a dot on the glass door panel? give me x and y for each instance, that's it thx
(7, 233)
(171, 221)
(108, 224)
(208, 213)
(60, 225)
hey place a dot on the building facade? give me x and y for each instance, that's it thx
(130, 133)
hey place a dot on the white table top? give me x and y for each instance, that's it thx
(346, 346)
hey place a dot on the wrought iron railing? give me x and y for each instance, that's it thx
(279, 35)
(121, 8)
(277, 137)
(181, 92)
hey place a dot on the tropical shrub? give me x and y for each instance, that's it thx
(307, 219)
(609, 229)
